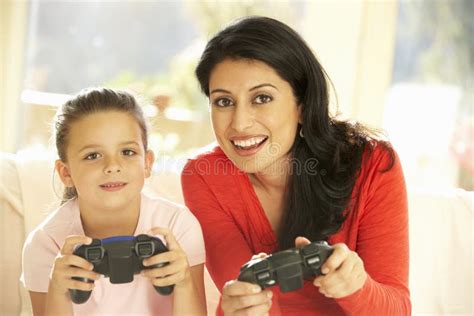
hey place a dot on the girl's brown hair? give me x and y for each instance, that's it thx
(88, 101)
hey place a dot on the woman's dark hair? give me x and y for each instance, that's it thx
(316, 202)
(88, 101)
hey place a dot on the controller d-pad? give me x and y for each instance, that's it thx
(144, 249)
(94, 253)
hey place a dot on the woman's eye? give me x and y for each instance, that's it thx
(128, 152)
(263, 98)
(223, 102)
(92, 156)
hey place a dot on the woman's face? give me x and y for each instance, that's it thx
(254, 113)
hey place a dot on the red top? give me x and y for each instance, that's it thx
(235, 227)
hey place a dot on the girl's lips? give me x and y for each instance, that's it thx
(113, 186)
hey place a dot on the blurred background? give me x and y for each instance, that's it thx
(403, 66)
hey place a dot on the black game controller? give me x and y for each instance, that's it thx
(287, 268)
(119, 258)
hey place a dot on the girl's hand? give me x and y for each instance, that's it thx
(177, 271)
(243, 298)
(344, 271)
(67, 265)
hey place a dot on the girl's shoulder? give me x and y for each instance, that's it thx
(63, 221)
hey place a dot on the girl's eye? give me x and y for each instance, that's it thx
(92, 156)
(128, 152)
(223, 102)
(263, 98)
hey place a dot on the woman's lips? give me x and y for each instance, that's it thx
(113, 186)
(249, 146)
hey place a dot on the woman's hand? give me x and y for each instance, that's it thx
(67, 265)
(343, 271)
(243, 298)
(177, 271)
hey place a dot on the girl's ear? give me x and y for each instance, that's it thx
(64, 174)
(149, 160)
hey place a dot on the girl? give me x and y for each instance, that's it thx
(101, 139)
(285, 168)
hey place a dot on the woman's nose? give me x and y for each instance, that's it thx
(243, 118)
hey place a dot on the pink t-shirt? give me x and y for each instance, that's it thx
(137, 297)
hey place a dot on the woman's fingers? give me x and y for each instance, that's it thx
(338, 256)
(242, 298)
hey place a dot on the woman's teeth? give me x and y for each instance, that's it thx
(252, 142)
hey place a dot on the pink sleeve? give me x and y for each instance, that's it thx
(189, 236)
(39, 253)
(383, 243)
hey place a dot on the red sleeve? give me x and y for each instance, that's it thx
(382, 242)
(226, 248)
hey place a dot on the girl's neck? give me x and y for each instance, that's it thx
(103, 223)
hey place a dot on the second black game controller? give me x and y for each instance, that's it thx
(288, 268)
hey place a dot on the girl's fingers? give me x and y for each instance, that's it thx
(73, 260)
(171, 241)
(168, 280)
(169, 256)
(72, 241)
(79, 285)
(170, 269)
(81, 273)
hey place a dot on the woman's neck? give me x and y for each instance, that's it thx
(273, 178)
(103, 223)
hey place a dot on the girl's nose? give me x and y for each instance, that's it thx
(112, 166)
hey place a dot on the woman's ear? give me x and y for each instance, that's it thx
(149, 160)
(300, 113)
(64, 174)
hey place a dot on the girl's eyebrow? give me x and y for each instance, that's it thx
(90, 146)
(251, 89)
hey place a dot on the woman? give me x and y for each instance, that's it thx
(286, 173)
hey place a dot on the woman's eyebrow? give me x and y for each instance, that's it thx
(251, 89)
(219, 90)
(263, 85)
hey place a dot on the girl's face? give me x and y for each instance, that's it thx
(254, 113)
(106, 160)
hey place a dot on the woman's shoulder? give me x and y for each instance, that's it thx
(209, 163)
(379, 155)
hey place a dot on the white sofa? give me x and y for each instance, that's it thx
(441, 235)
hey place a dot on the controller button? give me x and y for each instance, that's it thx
(263, 276)
(145, 249)
(313, 260)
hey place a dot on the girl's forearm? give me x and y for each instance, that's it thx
(58, 304)
(187, 300)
